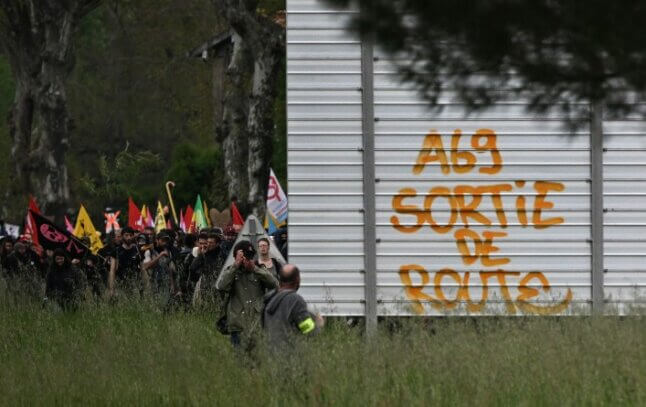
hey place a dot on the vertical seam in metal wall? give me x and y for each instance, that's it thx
(369, 218)
(596, 204)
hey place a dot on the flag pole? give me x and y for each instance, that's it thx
(170, 200)
(89, 249)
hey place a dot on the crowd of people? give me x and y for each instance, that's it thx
(254, 293)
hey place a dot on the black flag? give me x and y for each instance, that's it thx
(51, 237)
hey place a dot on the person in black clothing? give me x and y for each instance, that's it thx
(149, 232)
(206, 268)
(158, 264)
(280, 238)
(229, 239)
(189, 242)
(125, 266)
(6, 247)
(286, 316)
(65, 282)
(3, 229)
(94, 270)
(24, 272)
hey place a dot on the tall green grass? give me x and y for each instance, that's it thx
(131, 353)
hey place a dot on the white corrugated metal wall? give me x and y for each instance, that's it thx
(539, 165)
(324, 158)
(624, 166)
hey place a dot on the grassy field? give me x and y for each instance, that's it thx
(133, 354)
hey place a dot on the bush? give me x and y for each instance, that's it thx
(196, 170)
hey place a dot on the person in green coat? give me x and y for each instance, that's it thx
(245, 284)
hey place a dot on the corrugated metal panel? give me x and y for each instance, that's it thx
(428, 266)
(624, 160)
(324, 158)
(428, 270)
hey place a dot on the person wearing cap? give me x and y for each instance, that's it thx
(65, 284)
(246, 285)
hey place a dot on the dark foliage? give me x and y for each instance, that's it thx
(554, 54)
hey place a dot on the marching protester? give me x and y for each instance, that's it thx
(24, 271)
(229, 239)
(176, 262)
(94, 270)
(188, 282)
(286, 316)
(280, 238)
(125, 266)
(65, 282)
(149, 232)
(117, 237)
(6, 247)
(159, 266)
(188, 243)
(245, 284)
(205, 267)
(265, 260)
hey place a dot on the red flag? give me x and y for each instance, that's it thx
(237, 218)
(134, 216)
(33, 206)
(30, 224)
(188, 219)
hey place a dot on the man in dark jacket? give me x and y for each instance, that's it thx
(65, 282)
(246, 285)
(24, 272)
(6, 247)
(125, 266)
(205, 268)
(286, 316)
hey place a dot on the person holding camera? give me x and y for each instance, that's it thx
(246, 284)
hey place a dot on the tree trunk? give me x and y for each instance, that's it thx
(233, 130)
(263, 41)
(20, 119)
(38, 43)
(261, 128)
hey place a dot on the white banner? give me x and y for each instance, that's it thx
(276, 199)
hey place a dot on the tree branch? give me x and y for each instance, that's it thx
(257, 31)
(86, 7)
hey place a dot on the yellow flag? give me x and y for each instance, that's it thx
(85, 228)
(206, 214)
(160, 222)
